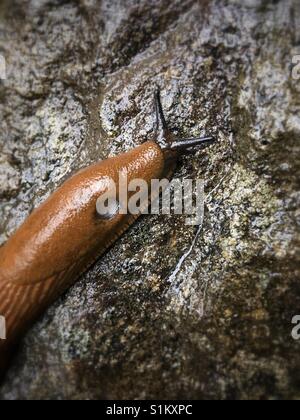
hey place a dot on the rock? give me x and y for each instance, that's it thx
(213, 318)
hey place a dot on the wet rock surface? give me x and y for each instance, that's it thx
(170, 311)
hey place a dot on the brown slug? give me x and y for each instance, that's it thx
(65, 236)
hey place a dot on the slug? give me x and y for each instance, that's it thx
(65, 236)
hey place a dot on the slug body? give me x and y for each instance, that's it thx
(63, 237)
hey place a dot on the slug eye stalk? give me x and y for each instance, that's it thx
(184, 144)
(164, 134)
